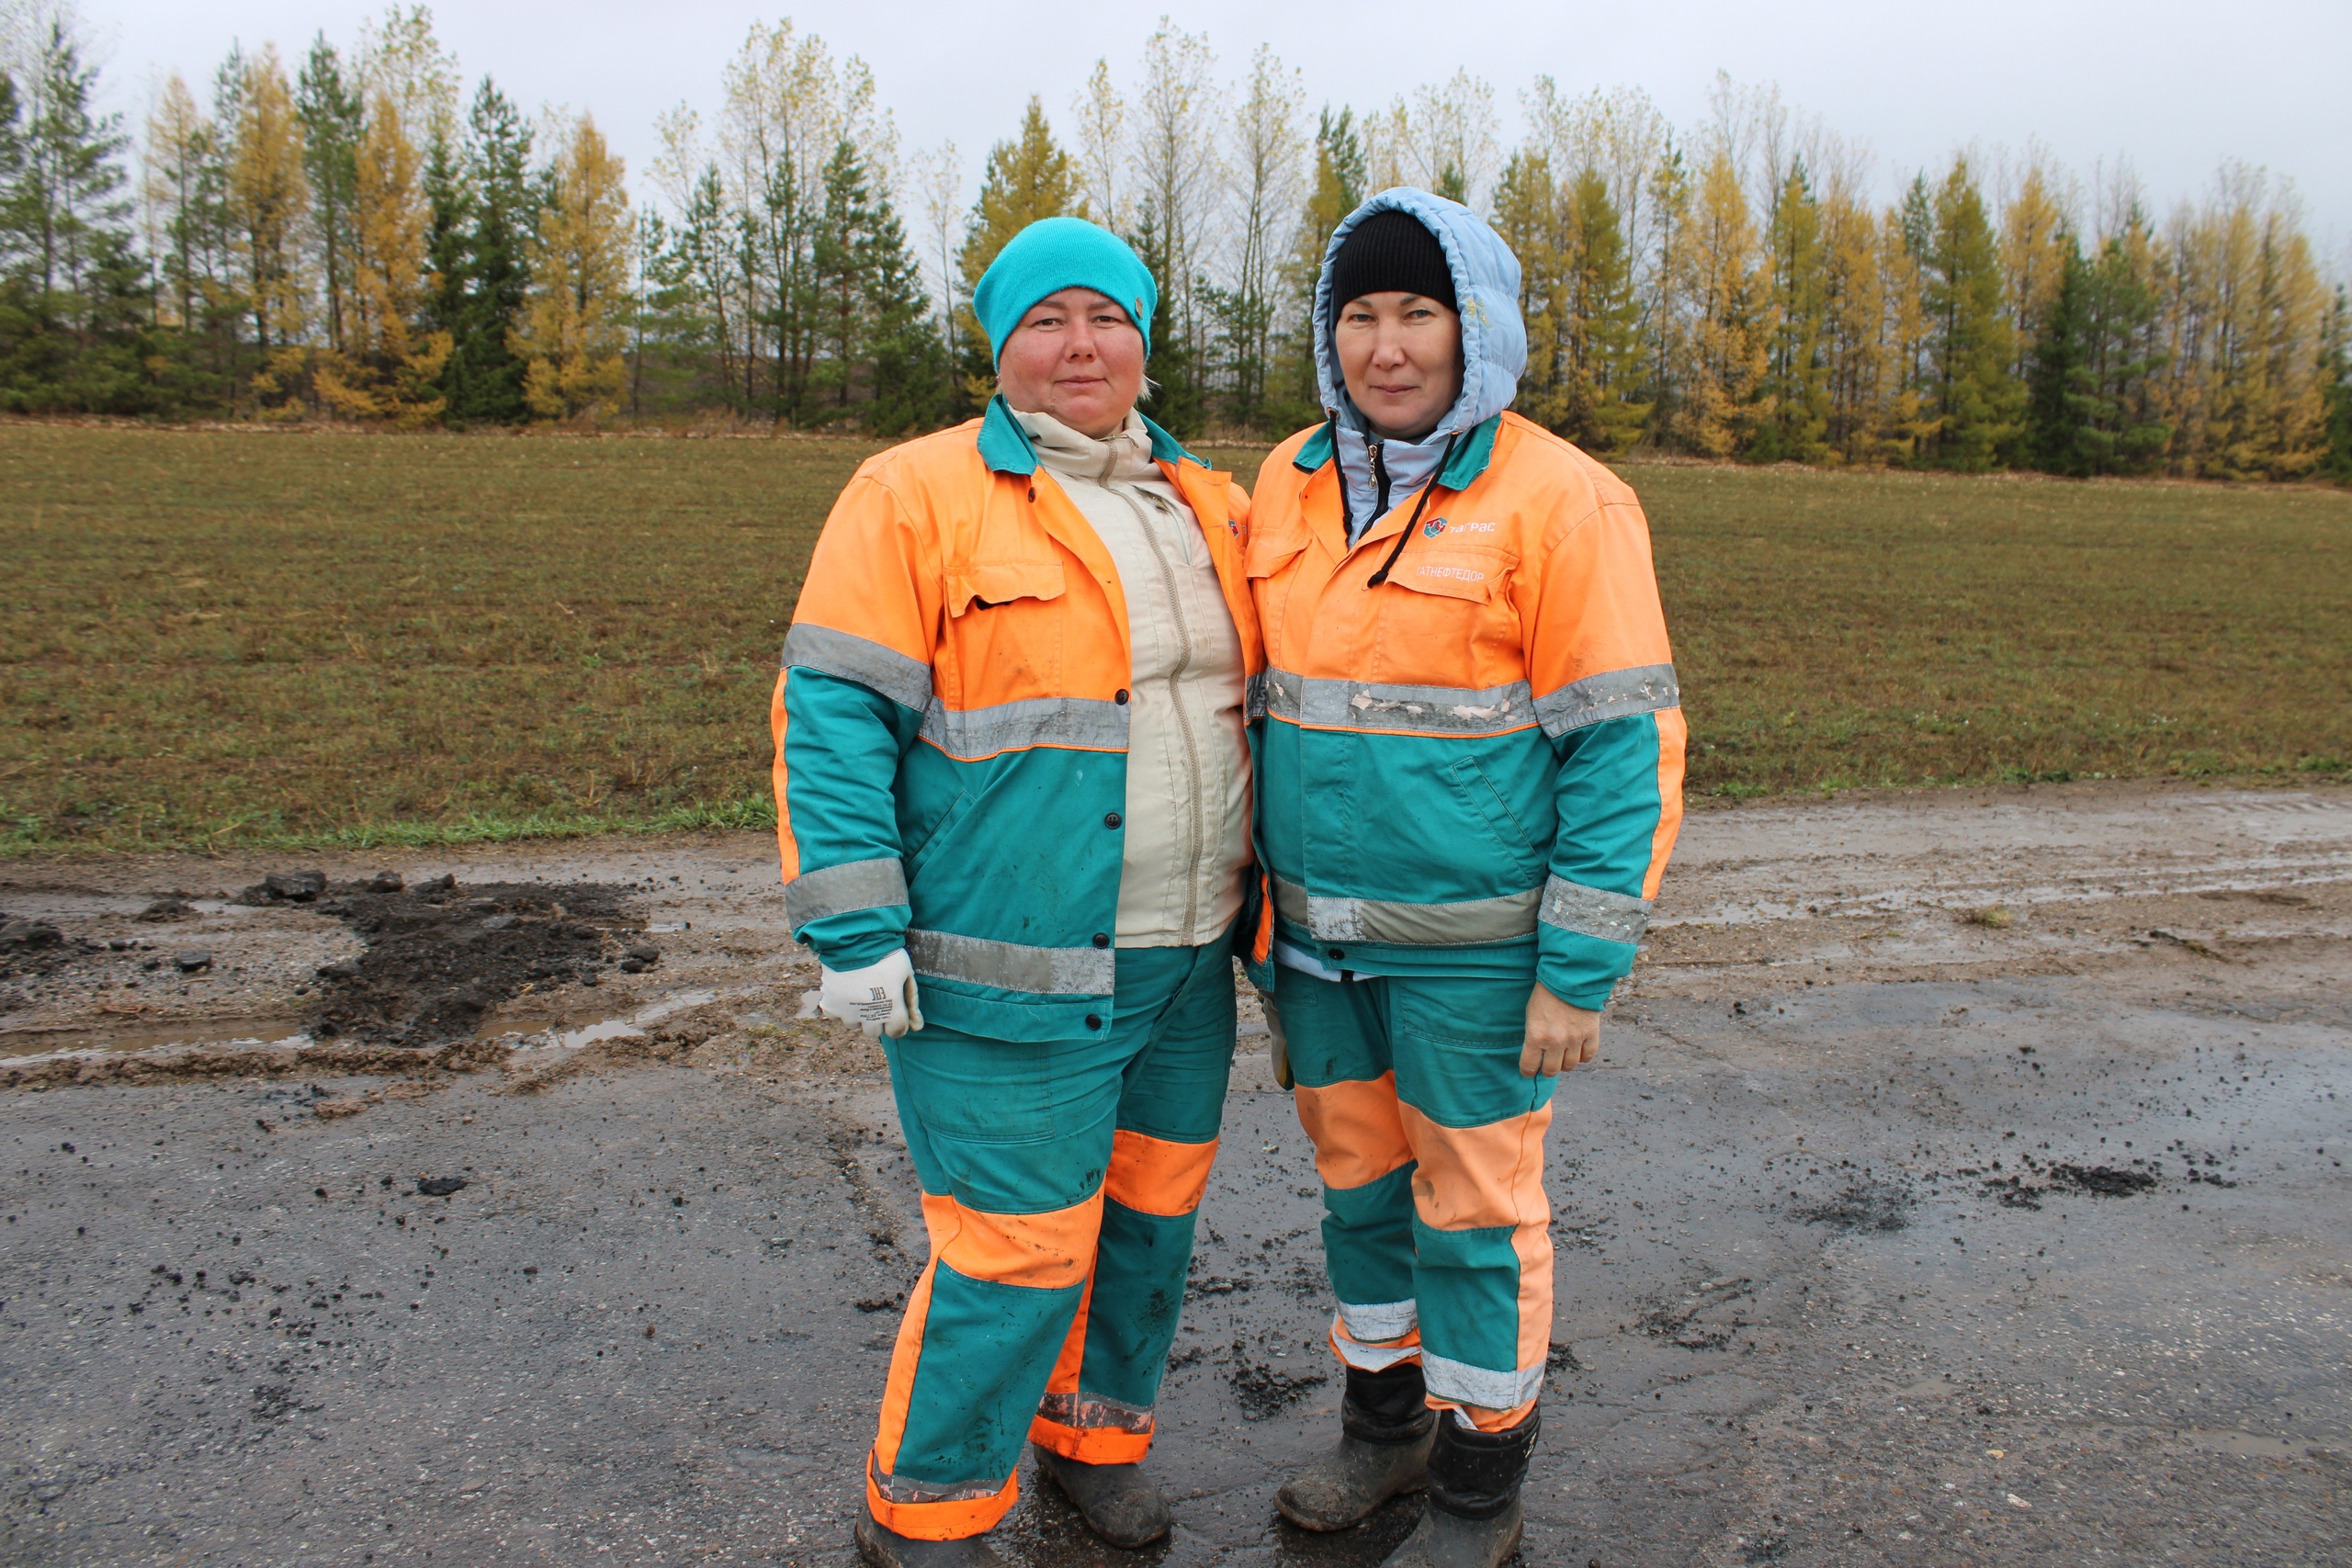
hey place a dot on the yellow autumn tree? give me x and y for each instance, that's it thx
(1732, 316)
(576, 327)
(2034, 246)
(269, 195)
(389, 363)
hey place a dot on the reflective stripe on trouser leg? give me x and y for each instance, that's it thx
(995, 1297)
(1174, 1030)
(1013, 1214)
(1481, 1221)
(1347, 1102)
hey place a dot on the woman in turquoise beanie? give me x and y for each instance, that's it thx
(1012, 798)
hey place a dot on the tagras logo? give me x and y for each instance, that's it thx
(1433, 528)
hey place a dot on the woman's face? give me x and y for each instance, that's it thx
(1401, 358)
(1077, 357)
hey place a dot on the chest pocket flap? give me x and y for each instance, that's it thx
(977, 585)
(1474, 572)
(1268, 550)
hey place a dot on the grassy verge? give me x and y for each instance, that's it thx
(228, 639)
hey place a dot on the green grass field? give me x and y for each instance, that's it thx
(223, 638)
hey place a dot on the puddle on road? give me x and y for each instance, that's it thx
(569, 1033)
(244, 1033)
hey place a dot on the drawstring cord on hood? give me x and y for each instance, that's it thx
(1429, 489)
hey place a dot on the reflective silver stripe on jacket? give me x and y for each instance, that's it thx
(1364, 704)
(1466, 1385)
(1379, 1320)
(904, 681)
(1035, 721)
(1010, 967)
(1419, 925)
(1594, 911)
(1612, 694)
(838, 889)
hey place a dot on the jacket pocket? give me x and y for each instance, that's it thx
(942, 832)
(1007, 629)
(984, 585)
(1471, 784)
(1474, 574)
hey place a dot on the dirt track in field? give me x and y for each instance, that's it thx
(1960, 1185)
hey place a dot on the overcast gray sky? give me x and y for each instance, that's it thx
(2173, 86)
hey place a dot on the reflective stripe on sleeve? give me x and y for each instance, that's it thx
(838, 889)
(1594, 911)
(1010, 967)
(1612, 694)
(972, 733)
(906, 681)
(1503, 919)
(1465, 1384)
(1421, 710)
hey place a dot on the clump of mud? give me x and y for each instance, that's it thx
(1865, 1206)
(439, 955)
(2102, 1180)
(1263, 1391)
(30, 949)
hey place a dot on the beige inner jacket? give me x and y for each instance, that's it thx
(1188, 758)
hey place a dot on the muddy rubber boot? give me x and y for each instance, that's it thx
(878, 1546)
(1474, 1518)
(1118, 1502)
(1385, 1430)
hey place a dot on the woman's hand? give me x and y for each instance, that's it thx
(1559, 1036)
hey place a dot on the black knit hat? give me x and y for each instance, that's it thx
(1391, 251)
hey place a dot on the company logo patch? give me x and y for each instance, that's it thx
(1432, 528)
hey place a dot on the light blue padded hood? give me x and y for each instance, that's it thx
(1485, 289)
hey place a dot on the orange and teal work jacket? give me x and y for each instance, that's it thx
(951, 728)
(1474, 767)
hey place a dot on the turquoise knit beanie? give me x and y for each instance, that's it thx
(1062, 253)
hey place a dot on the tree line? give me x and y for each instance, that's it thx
(356, 235)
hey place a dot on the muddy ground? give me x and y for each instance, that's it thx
(1962, 1184)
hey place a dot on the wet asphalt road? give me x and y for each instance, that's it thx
(1796, 1324)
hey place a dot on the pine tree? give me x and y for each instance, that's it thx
(576, 331)
(1606, 412)
(1795, 373)
(1976, 396)
(2336, 372)
(484, 259)
(75, 292)
(2054, 413)
(333, 122)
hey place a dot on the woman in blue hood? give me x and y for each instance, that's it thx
(1469, 747)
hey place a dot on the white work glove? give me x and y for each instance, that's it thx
(878, 998)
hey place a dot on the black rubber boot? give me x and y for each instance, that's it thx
(878, 1546)
(1474, 1518)
(1118, 1502)
(1386, 1430)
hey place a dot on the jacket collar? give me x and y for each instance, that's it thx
(1470, 459)
(1005, 447)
